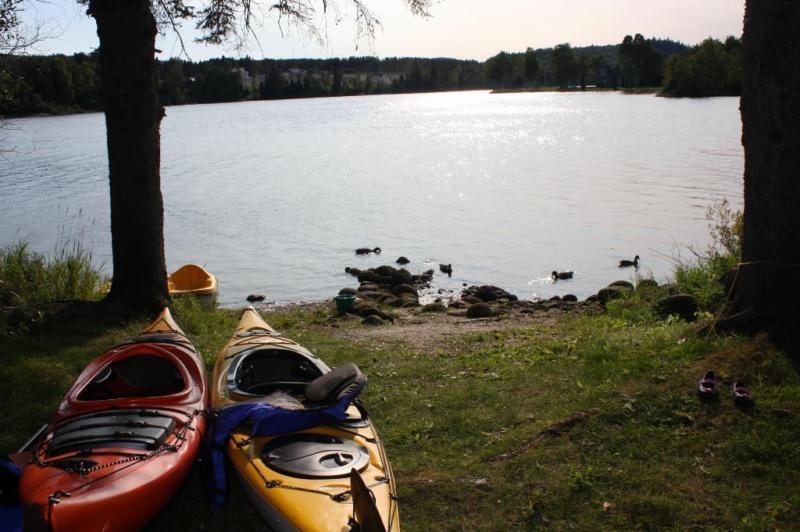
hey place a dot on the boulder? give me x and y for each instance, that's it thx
(402, 260)
(368, 287)
(373, 311)
(646, 284)
(404, 289)
(434, 307)
(352, 271)
(610, 292)
(347, 291)
(471, 299)
(252, 298)
(479, 310)
(592, 298)
(570, 297)
(555, 298)
(373, 320)
(681, 305)
(489, 293)
(623, 284)
(388, 271)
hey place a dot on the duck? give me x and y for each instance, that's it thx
(367, 251)
(561, 275)
(629, 263)
(446, 268)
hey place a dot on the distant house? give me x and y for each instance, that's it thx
(386, 79)
(249, 83)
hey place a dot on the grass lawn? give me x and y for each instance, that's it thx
(582, 422)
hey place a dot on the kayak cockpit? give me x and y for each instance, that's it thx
(263, 370)
(140, 375)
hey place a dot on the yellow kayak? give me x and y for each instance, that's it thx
(192, 279)
(301, 480)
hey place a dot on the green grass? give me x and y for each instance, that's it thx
(465, 420)
(27, 277)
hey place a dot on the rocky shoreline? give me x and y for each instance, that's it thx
(386, 292)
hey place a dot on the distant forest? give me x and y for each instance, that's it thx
(57, 84)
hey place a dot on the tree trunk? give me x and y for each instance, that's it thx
(768, 277)
(127, 32)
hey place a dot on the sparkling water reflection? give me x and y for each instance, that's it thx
(273, 197)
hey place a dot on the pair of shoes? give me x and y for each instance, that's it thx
(708, 389)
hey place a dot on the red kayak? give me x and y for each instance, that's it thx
(123, 440)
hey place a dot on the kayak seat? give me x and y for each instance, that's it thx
(332, 386)
(122, 428)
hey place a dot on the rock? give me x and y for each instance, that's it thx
(404, 289)
(373, 311)
(555, 298)
(459, 303)
(352, 271)
(347, 291)
(393, 302)
(373, 320)
(592, 298)
(479, 310)
(570, 297)
(368, 287)
(471, 299)
(681, 305)
(434, 307)
(252, 298)
(388, 271)
(402, 260)
(646, 284)
(608, 293)
(623, 284)
(489, 293)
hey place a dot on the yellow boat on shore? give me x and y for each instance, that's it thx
(330, 477)
(195, 280)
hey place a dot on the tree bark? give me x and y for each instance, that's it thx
(127, 32)
(770, 107)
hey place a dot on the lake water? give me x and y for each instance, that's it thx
(273, 197)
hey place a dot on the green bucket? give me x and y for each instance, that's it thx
(343, 303)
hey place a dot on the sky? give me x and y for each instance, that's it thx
(465, 29)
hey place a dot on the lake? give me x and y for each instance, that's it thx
(274, 196)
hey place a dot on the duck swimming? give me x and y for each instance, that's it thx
(629, 263)
(561, 275)
(367, 251)
(446, 268)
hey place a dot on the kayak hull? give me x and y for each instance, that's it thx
(110, 459)
(288, 500)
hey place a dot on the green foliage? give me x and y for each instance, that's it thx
(704, 277)
(27, 277)
(708, 69)
(531, 65)
(565, 65)
(639, 62)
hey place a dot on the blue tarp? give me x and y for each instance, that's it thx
(267, 420)
(11, 517)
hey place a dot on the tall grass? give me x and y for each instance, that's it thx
(703, 277)
(30, 277)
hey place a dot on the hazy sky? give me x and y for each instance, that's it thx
(471, 29)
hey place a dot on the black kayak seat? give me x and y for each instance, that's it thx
(335, 384)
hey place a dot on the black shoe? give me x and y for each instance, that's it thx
(741, 395)
(707, 387)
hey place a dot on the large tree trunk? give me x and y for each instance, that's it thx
(769, 277)
(127, 32)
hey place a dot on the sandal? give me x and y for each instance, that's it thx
(707, 386)
(741, 395)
